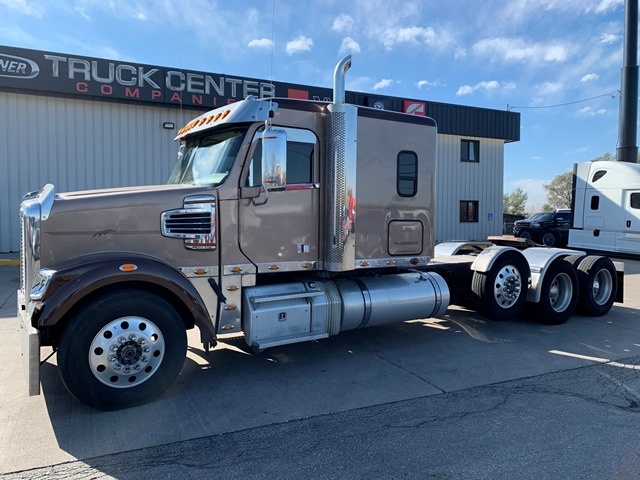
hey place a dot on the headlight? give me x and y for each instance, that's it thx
(535, 224)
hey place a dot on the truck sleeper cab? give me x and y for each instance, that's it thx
(284, 221)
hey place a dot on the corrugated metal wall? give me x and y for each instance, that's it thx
(78, 145)
(457, 180)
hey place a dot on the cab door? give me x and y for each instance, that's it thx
(279, 228)
(628, 240)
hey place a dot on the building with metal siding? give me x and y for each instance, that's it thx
(458, 181)
(79, 145)
(80, 136)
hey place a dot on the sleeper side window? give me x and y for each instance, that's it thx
(407, 174)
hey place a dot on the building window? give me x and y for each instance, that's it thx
(468, 211)
(470, 150)
(407, 174)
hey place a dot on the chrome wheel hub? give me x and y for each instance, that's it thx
(126, 352)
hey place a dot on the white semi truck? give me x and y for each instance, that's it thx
(606, 208)
(284, 221)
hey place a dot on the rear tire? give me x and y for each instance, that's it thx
(558, 294)
(598, 285)
(123, 349)
(503, 289)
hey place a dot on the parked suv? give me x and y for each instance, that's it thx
(548, 228)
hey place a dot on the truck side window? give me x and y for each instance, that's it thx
(598, 175)
(635, 200)
(407, 174)
(301, 147)
(595, 202)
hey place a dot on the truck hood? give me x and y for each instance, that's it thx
(115, 220)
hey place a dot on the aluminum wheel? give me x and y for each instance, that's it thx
(561, 292)
(126, 352)
(507, 287)
(602, 286)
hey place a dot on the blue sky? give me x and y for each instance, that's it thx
(557, 62)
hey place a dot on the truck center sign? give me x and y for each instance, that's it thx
(39, 71)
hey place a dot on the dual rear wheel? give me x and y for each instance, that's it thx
(584, 282)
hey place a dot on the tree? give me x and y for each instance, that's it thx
(559, 191)
(514, 202)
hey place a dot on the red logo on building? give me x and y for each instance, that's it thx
(300, 94)
(414, 108)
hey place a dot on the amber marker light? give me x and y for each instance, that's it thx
(226, 328)
(200, 271)
(364, 264)
(236, 269)
(229, 307)
(414, 261)
(128, 267)
(232, 288)
(274, 267)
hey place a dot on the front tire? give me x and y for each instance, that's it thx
(123, 349)
(503, 289)
(558, 295)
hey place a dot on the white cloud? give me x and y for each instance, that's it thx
(464, 90)
(140, 16)
(460, 53)
(592, 112)
(24, 7)
(520, 50)
(605, 5)
(349, 45)
(384, 83)
(486, 86)
(260, 43)
(550, 88)
(426, 84)
(589, 77)
(394, 36)
(342, 23)
(299, 45)
(608, 38)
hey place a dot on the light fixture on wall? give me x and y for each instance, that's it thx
(168, 125)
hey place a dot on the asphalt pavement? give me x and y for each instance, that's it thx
(452, 397)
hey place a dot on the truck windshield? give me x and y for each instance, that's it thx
(207, 160)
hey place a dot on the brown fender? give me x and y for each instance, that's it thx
(78, 279)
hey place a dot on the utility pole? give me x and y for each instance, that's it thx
(627, 150)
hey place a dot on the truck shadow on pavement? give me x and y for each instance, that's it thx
(232, 389)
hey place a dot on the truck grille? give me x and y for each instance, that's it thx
(195, 222)
(186, 223)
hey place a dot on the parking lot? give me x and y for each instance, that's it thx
(451, 397)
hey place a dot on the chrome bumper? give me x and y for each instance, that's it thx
(29, 348)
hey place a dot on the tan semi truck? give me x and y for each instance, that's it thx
(283, 221)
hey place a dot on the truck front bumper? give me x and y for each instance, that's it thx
(29, 348)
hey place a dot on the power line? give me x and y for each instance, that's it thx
(611, 94)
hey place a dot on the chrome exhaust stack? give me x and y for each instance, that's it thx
(339, 242)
